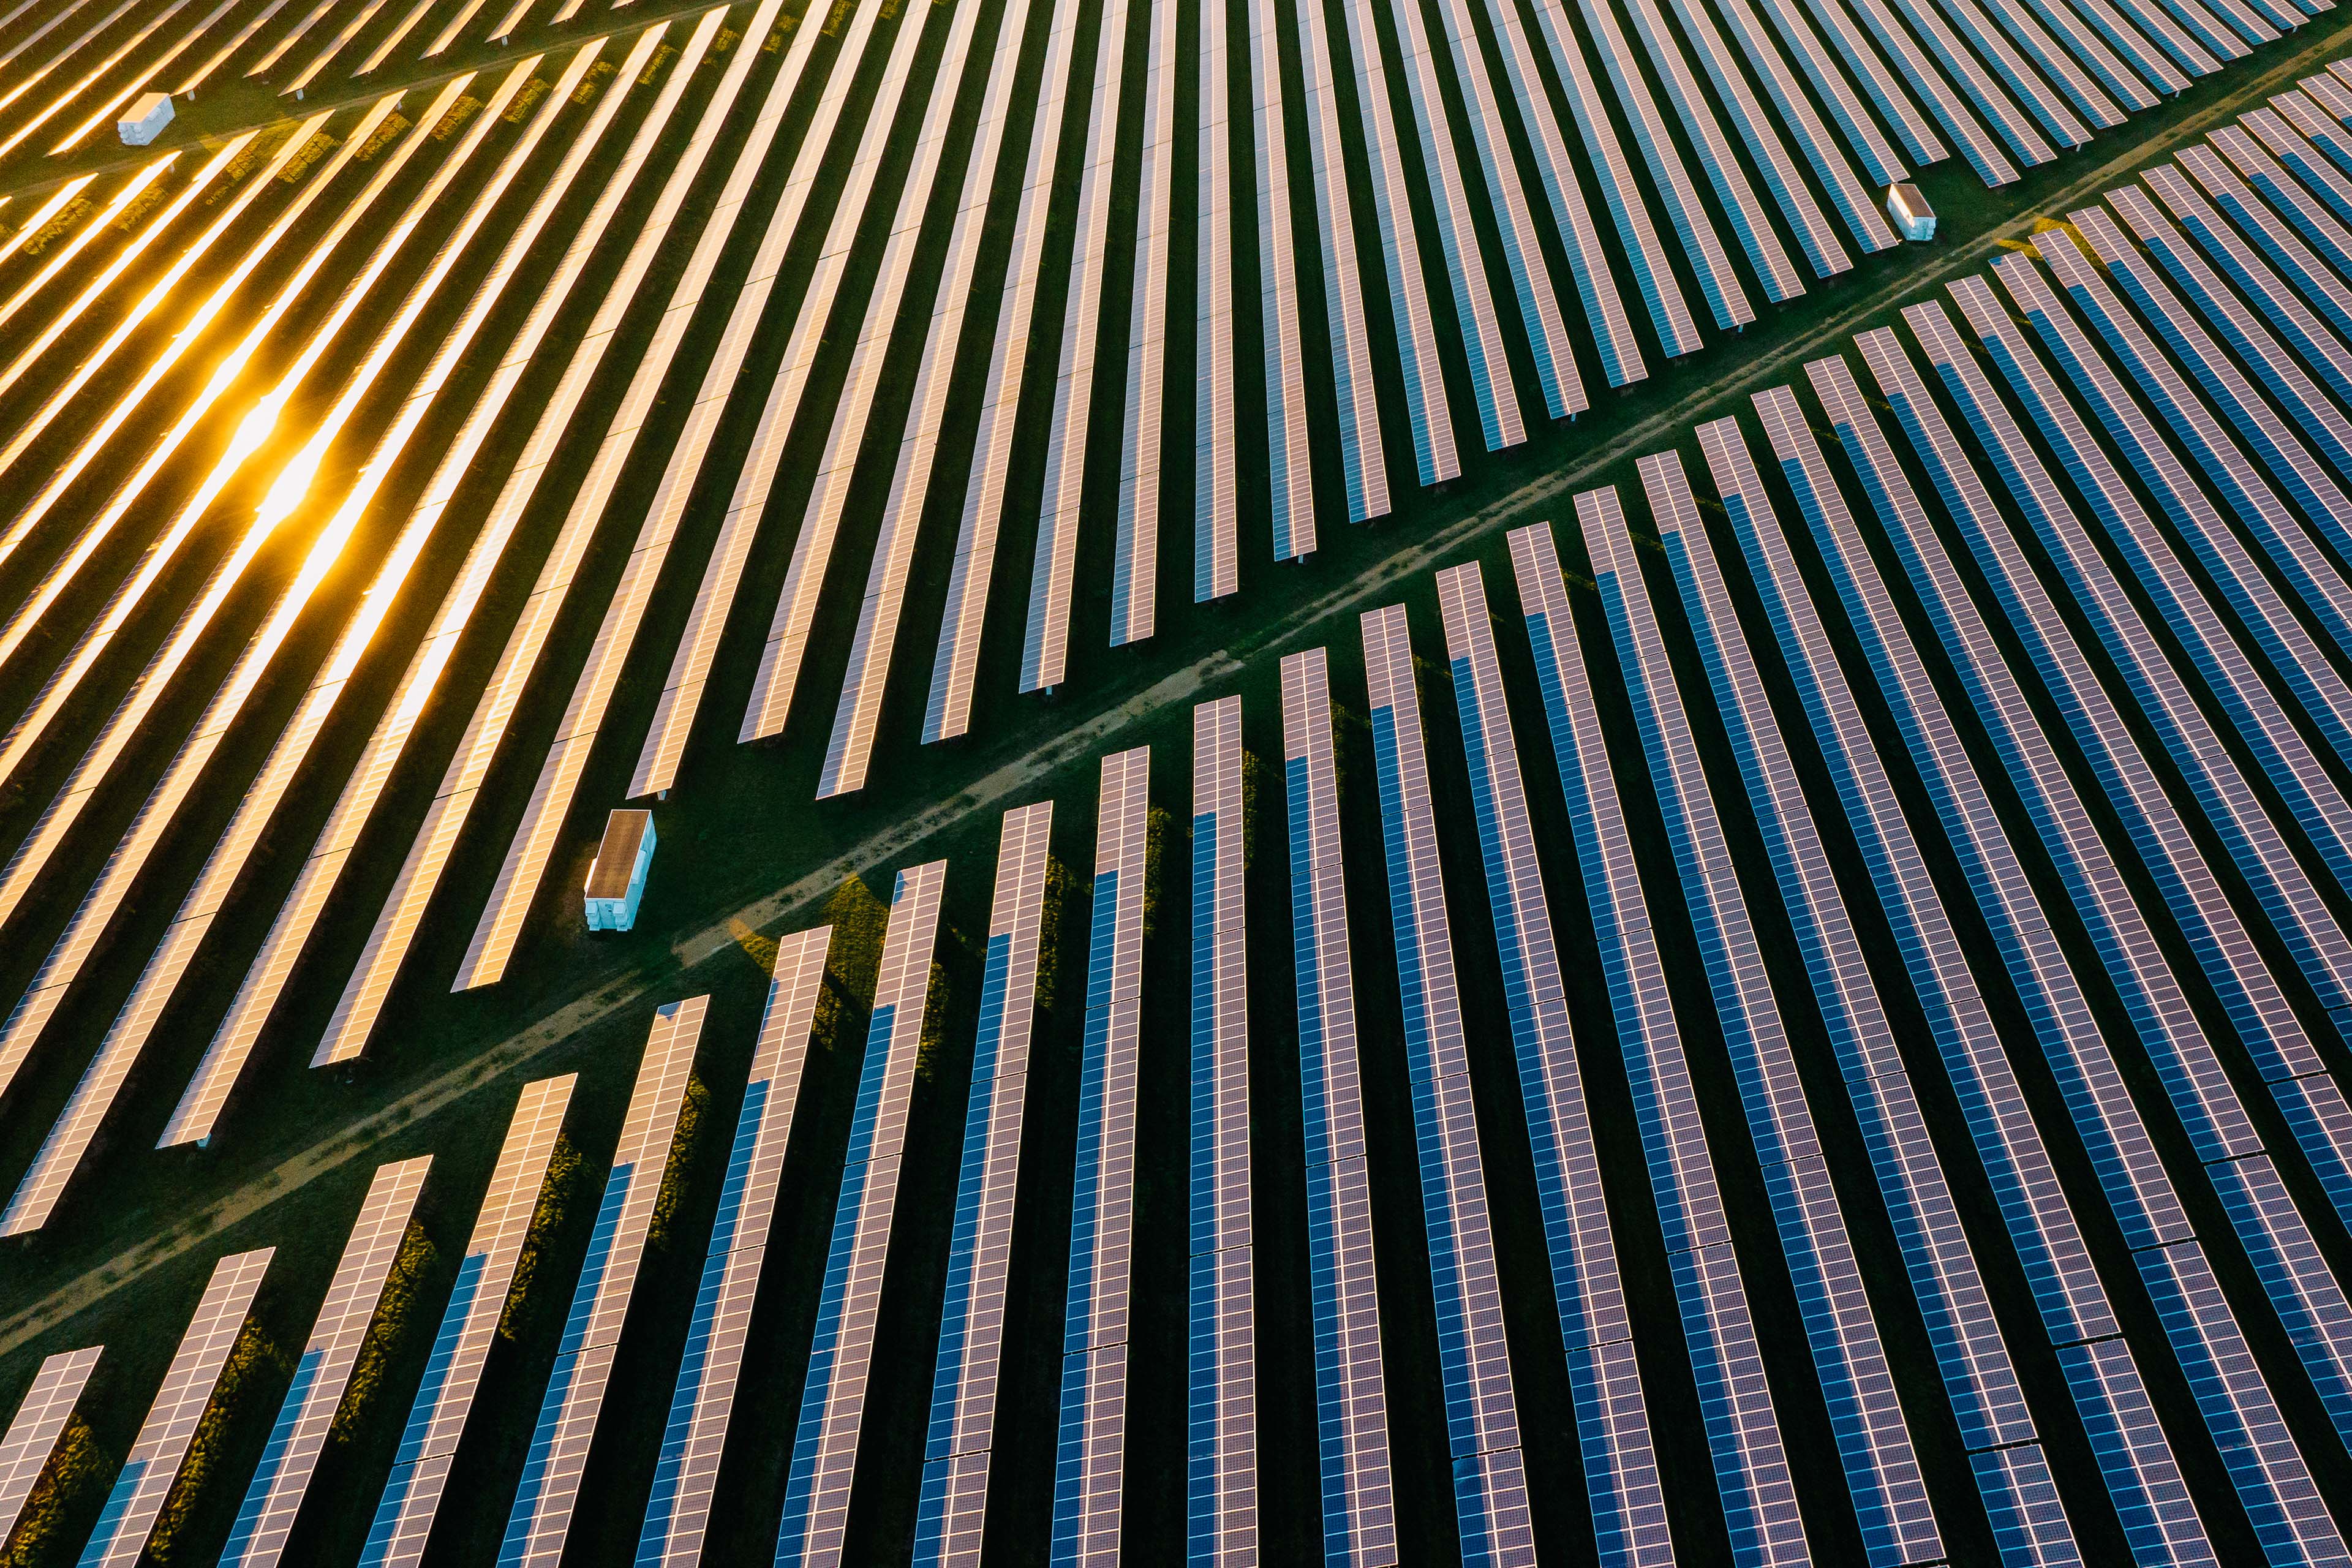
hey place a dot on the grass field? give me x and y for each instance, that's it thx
(745, 852)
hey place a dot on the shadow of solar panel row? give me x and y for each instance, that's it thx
(954, 1500)
(1089, 1451)
(1490, 1492)
(1350, 1387)
(1221, 1413)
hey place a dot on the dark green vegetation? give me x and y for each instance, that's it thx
(740, 840)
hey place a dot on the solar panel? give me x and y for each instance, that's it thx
(949, 710)
(678, 1509)
(1290, 486)
(1215, 571)
(1421, 374)
(1653, 278)
(1751, 1470)
(953, 1503)
(274, 1496)
(2299, 135)
(706, 623)
(1724, 299)
(1350, 1389)
(558, 1456)
(1854, 203)
(461, 1346)
(2316, 280)
(1980, 1378)
(874, 645)
(833, 1397)
(2287, 894)
(525, 866)
(1491, 382)
(361, 1004)
(298, 916)
(1089, 1462)
(40, 1420)
(1134, 555)
(2319, 419)
(1737, 198)
(1882, 1470)
(2073, 1306)
(1961, 64)
(2137, 1187)
(1539, 316)
(2315, 108)
(120, 1538)
(1363, 470)
(2094, 104)
(2261, 147)
(2290, 650)
(1047, 641)
(157, 815)
(2252, 501)
(1474, 1361)
(1830, 87)
(1221, 1481)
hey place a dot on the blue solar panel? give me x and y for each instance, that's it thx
(2033, 1207)
(1482, 1412)
(1751, 1470)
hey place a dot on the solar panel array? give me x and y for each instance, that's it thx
(1490, 1486)
(1290, 481)
(1743, 1430)
(1350, 1388)
(461, 1346)
(1221, 1401)
(952, 1506)
(678, 1511)
(39, 1422)
(1089, 1446)
(1882, 1469)
(841, 1350)
(549, 1489)
(120, 1537)
(323, 1370)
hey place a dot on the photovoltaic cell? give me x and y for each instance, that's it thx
(1089, 1453)
(1216, 570)
(952, 1504)
(1221, 1407)
(120, 1538)
(1752, 1471)
(323, 1371)
(1134, 556)
(678, 1511)
(841, 1348)
(461, 1346)
(558, 1456)
(1350, 1389)
(1290, 481)
(1490, 1498)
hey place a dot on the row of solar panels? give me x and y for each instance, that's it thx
(72, 66)
(75, 543)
